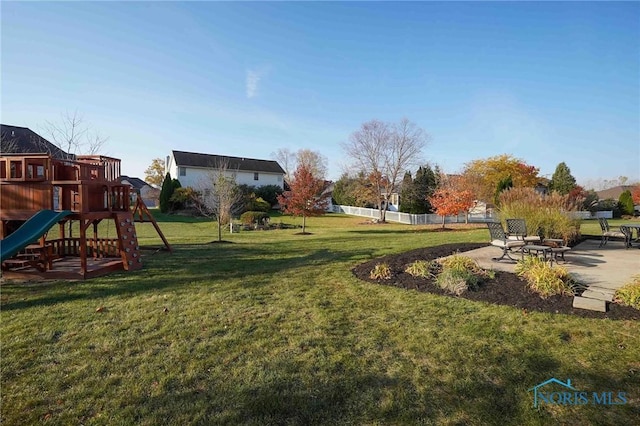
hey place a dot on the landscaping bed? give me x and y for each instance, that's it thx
(505, 289)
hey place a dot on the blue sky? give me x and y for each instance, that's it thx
(545, 82)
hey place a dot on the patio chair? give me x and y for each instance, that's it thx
(608, 233)
(517, 230)
(499, 239)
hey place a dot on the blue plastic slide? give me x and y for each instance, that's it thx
(30, 231)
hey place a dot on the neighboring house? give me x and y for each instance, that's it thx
(327, 193)
(148, 193)
(394, 201)
(613, 193)
(23, 140)
(194, 169)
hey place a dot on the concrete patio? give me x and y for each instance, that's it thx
(601, 269)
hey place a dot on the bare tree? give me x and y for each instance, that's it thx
(74, 136)
(386, 151)
(220, 196)
(287, 159)
(314, 161)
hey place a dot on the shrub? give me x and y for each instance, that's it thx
(420, 268)
(165, 193)
(546, 215)
(380, 272)
(183, 198)
(269, 193)
(626, 203)
(629, 294)
(251, 217)
(461, 273)
(258, 205)
(457, 281)
(544, 279)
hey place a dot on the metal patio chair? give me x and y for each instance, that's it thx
(499, 239)
(607, 233)
(517, 230)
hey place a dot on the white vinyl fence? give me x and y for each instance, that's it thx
(427, 219)
(411, 219)
(607, 214)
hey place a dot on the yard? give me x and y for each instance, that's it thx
(273, 328)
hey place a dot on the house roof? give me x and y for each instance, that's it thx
(613, 193)
(194, 159)
(137, 183)
(23, 140)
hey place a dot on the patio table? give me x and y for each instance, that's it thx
(536, 250)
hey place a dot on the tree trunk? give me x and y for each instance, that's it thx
(219, 230)
(443, 217)
(304, 218)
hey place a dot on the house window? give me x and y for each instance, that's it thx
(256, 176)
(182, 171)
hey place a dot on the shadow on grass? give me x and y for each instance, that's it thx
(188, 265)
(295, 391)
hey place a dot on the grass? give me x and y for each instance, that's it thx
(274, 329)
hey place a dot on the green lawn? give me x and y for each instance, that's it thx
(274, 329)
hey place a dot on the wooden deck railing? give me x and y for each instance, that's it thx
(96, 247)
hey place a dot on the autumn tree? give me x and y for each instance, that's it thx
(286, 158)
(483, 175)
(384, 151)
(290, 160)
(305, 198)
(562, 181)
(315, 162)
(449, 201)
(219, 195)
(154, 175)
(635, 194)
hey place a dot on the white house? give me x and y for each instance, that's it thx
(194, 169)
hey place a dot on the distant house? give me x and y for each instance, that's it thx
(148, 193)
(22, 140)
(613, 193)
(193, 169)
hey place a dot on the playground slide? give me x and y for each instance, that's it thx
(29, 232)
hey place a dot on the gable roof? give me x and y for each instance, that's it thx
(23, 140)
(194, 159)
(613, 193)
(137, 183)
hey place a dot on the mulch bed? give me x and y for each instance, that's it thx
(506, 289)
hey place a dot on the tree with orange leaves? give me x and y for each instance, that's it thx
(635, 194)
(305, 197)
(483, 176)
(449, 201)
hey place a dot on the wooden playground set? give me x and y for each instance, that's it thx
(38, 191)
